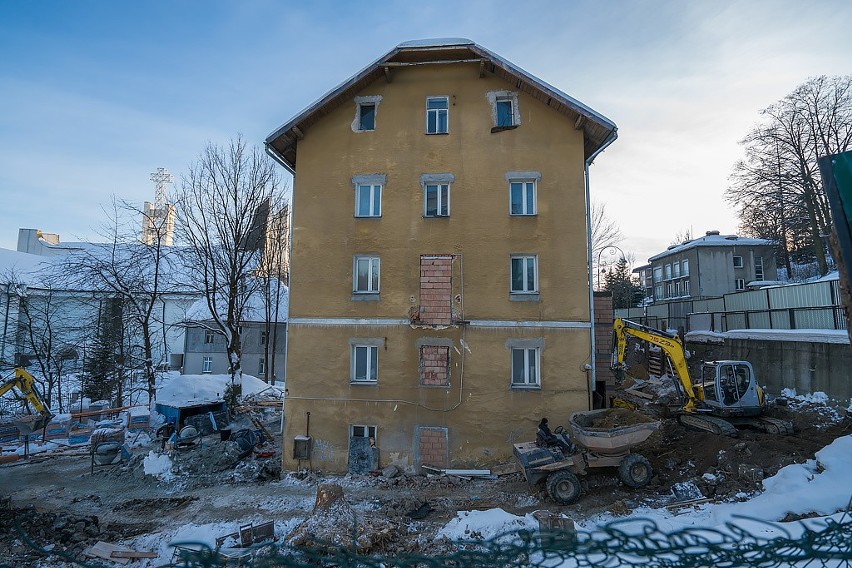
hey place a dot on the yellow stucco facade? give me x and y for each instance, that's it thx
(478, 412)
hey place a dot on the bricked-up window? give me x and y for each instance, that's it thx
(432, 446)
(365, 363)
(436, 275)
(524, 275)
(434, 365)
(525, 367)
(437, 115)
(365, 278)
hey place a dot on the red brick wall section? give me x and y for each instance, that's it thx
(604, 316)
(433, 446)
(434, 365)
(436, 274)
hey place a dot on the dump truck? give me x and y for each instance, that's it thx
(599, 439)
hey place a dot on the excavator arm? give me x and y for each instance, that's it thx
(25, 383)
(671, 346)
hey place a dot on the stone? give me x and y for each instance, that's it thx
(390, 472)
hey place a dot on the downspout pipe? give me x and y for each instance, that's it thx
(613, 134)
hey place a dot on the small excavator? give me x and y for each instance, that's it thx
(25, 384)
(726, 396)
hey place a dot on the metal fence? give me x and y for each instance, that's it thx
(814, 305)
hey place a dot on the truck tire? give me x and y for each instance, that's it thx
(635, 470)
(563, 487)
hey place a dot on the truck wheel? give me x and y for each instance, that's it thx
(635, 470)
(563, 487)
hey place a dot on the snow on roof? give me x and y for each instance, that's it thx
(436, 42)
(798, 335)
(833, 275)
(712, 241)
(189, 390)
(23, 266)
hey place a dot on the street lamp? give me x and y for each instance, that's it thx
(612, 249)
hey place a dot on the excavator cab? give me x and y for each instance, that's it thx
(731, 389)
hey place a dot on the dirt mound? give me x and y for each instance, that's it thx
(610, 418)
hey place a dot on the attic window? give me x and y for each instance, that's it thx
(504, 110)
(366, 109)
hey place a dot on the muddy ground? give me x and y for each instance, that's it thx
(64, 508)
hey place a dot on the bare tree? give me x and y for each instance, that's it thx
(275, 273)
(605, 234)
(222, 209)
(779, 175)
(130, 270)
(682, 236)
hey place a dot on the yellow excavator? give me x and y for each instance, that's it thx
(725, 397)
(25, 384)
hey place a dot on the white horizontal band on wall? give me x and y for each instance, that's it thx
(473, 323)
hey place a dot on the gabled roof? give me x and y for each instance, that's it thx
(597, 129)
(713, 240)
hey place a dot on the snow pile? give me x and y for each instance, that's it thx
(806, 335)
(819, 486)
(817, 402)
(158, 465)
(181, 389)
(485, 525)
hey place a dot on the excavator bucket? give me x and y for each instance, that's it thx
(32, 423)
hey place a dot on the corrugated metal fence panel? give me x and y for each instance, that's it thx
(680, 309)
(716, 305)
(780, 320)
(815, 319)
(801, 295)
(658, 311)
(759, 320)
(742, 301)
(735, 321)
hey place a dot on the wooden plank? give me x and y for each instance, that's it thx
(134, 554)
(640, 394)
(104, 550)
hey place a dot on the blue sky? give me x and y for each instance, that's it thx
(98, 94)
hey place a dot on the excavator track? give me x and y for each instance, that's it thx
(712, 424)
(772, 425)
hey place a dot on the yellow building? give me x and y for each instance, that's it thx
(440, 301)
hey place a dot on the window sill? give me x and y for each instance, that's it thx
(497, 129)
(365, 296)
(446, 386)
(437, 133)
(364, 383)
(520, 297)
(526, 387)
(436, 216)
(523, 214)
(368, 216)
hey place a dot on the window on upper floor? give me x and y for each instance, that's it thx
(525, 367)
(368, 200)
(504, 110)
(261, 367)
(437, 115)
(675, 270)
(207, 365)
(686, 287)
(366, 109)
(684, 267)
(738, 261)
(263, 337)
(523, 192)
(658, 274)
(524, 277)
(365, 275)
(668, 272)
(436, 200)
(365, 364)
(209, 336)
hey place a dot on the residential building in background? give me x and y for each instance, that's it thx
(440, 290)
(708, 267)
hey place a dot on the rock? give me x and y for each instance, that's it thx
(390, 472)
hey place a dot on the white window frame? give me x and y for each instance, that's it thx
(261, 367)
(741, 264)
(207, 365)
(658, 274)
(375, 190)
(658, 291)
(758, 268)
(209, 336)
(373, 270)
(439, 187)
(368, 350)
(263, 337)
(437, 113)
(686, 287)
(684, 267)
(676, 269)
(526, 187)
(525, 273)
(668, 272)
(739, 284)
(362, 431)
(527, 381)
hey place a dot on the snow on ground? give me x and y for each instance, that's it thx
(817, 402)
(158, 465)
(807, 335)
(818, 486)
(179, 389)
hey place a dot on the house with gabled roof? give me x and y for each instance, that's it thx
(440, 299)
